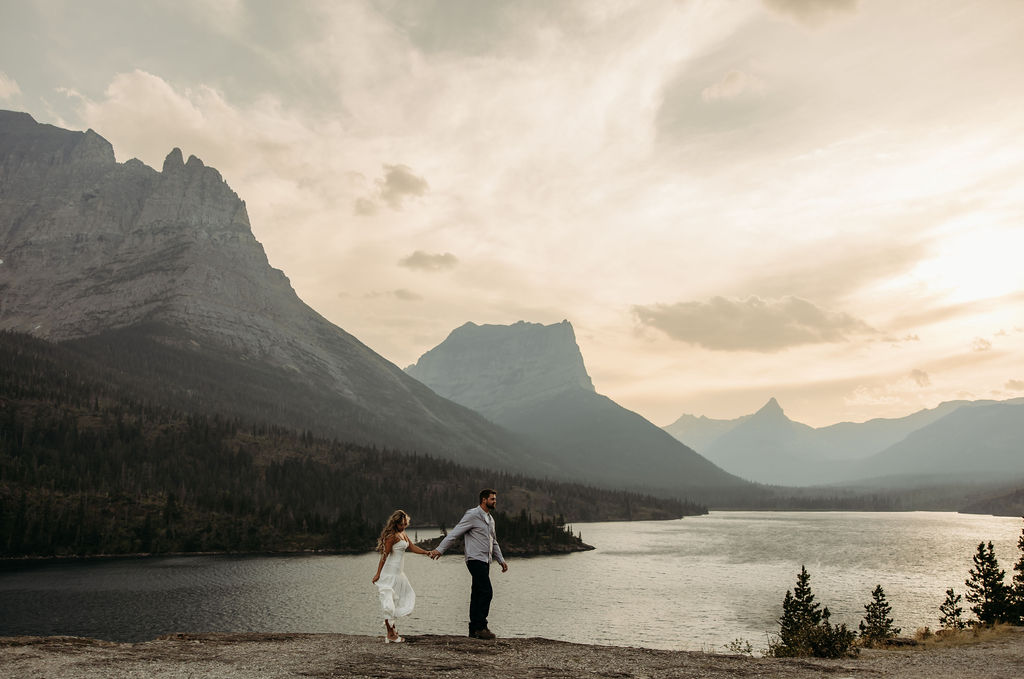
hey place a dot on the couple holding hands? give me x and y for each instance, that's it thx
(397, 597)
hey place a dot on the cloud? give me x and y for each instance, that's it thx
(920, 378)
(897, 341)
(424, 261)
(8, 87)
(752, 324)
(978, 307)
(145, 115)
(400, 293)
(364, 207)
(473, 28)
(812, 13)
(1015, 385)
(406, 295)
(907, 389)
(981, 344)
(828, 273)
(732, 85)
(400, 183)
(877, 395)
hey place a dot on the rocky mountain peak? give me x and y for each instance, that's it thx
(90, 244)
(771, 410)
(174, 162)
(491, 366)
(93, 149)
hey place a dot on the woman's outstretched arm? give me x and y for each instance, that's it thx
(416, 549)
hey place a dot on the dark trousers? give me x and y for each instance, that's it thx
(480, 596)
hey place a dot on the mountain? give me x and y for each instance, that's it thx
(974, 440)
(158, 276)
(977, 442)
(699, 432)
(530, 379)
(859, 440)
(766, 446)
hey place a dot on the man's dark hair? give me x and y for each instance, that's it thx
(486, 493)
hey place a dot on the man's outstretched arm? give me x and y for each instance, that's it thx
(460, 529)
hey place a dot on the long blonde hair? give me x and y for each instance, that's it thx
(390, 528)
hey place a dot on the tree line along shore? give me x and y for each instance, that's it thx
(86, 469)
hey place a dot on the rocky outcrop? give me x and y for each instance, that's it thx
(495, 369)
(91, 246)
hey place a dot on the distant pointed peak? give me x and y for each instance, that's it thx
(174, 160)
(772, 407)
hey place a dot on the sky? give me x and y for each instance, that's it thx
(820, 201)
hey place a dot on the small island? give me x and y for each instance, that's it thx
(523, 535)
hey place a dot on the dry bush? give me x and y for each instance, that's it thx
(949, 638)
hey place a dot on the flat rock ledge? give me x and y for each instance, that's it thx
(244, 656)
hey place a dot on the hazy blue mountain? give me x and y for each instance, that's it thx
(976, 442)
(859, 440)
(698, 431)
(767, 447)
(530, 378)
(924, 447)
(158, 275)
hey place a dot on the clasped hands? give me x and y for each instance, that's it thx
(435, 555)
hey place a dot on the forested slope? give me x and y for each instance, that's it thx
(86, 468)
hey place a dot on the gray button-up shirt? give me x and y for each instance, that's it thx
(481, 543)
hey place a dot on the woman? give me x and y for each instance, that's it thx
(396, 596)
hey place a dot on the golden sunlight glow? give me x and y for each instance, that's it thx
(975, 262)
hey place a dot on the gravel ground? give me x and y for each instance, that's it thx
(245, 656)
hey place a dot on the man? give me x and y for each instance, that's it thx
(481, 545)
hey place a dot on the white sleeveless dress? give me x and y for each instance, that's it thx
(396, 596)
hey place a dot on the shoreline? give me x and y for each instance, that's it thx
(55, 558)
(258, 656)
(515, 551)
(29, 558)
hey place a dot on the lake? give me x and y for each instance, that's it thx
(695, 584)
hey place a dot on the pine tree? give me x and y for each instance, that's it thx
(800, 613)
(951, 612)
(1017, 591)
(804, 628)
(877, 627)
(986, 589)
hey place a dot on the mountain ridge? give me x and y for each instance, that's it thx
(842, 453)
(121, 259)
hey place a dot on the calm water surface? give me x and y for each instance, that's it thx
(697, 584)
